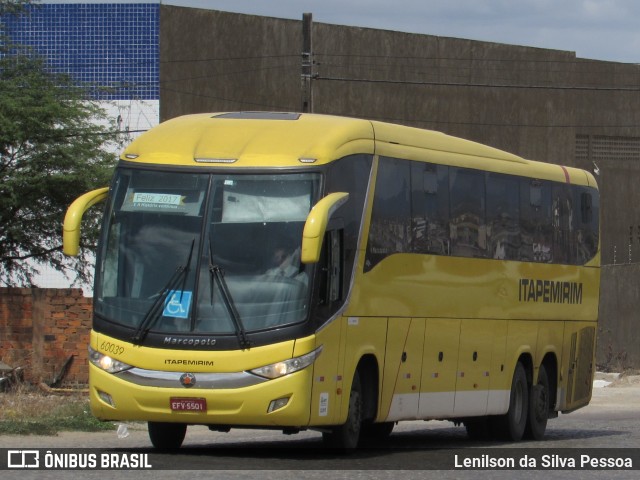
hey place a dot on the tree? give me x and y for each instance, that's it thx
(55, 144)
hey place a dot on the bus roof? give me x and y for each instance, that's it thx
(277, 139)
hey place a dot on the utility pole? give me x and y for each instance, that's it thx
(307, 63)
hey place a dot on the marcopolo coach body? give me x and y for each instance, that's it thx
(299, 271)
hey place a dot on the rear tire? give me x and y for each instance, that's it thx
(511, 425)
(167, 436)
(347, 436)
(539, 399)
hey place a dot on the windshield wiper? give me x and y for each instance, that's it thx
(154, 312)
(217, 275)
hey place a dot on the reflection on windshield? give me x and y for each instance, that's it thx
(253, 229)
(255, 240)
(217, 278)
(169, 298)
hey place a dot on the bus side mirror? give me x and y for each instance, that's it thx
(73, 218)
(316, 225)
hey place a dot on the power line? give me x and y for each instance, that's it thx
(607, 66)
(413, 121)
(132, 85)
(577, 61)
(465, 71)
(477, 85)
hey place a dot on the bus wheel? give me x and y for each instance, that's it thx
(167, 436)
(511, 425)
(538, 407)
(347, 436)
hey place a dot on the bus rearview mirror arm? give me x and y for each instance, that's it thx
(73, 218)
(316, 225)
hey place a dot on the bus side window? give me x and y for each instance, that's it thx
(536, 233)
(430, 208)
(468, 228)
(586, 207)
(335, 266)
(503, 216)
(332, 271)
(563, 225)
(390, 227)
(586, 224)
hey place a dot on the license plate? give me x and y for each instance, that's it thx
(188, 404)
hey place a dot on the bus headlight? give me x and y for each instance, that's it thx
(287, 367)
(106, 363)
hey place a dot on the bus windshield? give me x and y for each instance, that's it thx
(204, 253)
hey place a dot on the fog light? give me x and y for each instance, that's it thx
(106, 398)
(277, 404)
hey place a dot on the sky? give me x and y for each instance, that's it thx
(595, 29)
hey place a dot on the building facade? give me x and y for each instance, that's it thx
(111, 48)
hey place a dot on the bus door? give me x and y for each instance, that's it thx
(580, 365)
(403, 367)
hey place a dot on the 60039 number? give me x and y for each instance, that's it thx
(111, 348)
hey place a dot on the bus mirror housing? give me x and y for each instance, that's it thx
(316, 225)
(73, 218)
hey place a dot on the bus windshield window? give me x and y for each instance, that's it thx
(168, 233)
(253, 235)
(154, 227)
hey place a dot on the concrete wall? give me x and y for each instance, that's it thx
(542, 104)
(529, 101)
(215, 61)
(619, 327)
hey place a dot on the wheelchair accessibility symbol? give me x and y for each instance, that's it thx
(177, 304)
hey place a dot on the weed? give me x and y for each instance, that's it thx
(30, 412)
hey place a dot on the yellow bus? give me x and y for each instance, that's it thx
(298, 271)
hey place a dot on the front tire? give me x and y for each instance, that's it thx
(539, 399)
(167, 436)
(511, 425)
(347, 436)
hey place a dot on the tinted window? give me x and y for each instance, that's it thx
(562, 212)
(536, 241)
(350, 174)
(586, 223)
(430, 208)
(470, 213)
(503, 217)
(390, 227)
(468, 229)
